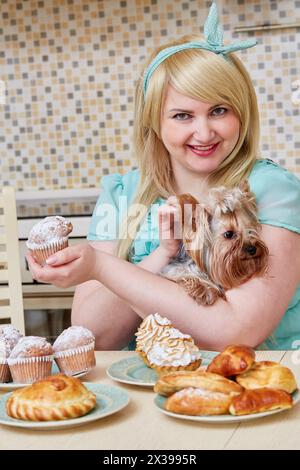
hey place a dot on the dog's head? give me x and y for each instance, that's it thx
(222, 235)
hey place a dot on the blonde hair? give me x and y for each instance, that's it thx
(201, 75)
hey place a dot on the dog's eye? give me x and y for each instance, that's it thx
(229, 234)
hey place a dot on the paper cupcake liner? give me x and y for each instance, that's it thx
(76, 360)
(29, 369)
(5, 375)
(42, 253)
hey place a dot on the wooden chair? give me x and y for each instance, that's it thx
(11, 299)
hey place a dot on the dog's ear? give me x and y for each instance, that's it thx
(188, 205)
(244, 186)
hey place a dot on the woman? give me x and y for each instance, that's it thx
(196, 126)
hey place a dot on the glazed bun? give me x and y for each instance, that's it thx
(56, 397)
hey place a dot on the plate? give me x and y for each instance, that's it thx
(109, 400)
(8, 386)
(134, 371)
(160, 401)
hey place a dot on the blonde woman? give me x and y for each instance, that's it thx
(196, 126)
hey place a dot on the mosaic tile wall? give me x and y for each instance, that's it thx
(69, 68)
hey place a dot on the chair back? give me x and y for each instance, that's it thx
(11, 299)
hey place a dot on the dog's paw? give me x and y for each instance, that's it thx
(202, 292)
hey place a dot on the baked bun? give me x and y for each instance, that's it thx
(54, 398)
(259, 400)
(234, 360)
(173, 382)
(268, 374)
(196, 402)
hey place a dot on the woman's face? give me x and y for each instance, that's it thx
(197, 135)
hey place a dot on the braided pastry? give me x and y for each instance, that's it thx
(51, 399)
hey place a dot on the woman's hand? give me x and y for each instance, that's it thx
(68, 267)
(169, 220)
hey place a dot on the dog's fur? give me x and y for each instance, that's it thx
(221, 246)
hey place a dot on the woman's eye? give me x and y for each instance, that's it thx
(219, 111)
(181, 116)
(229, 234)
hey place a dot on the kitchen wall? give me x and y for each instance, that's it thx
(68, 70)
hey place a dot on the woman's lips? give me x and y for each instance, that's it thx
(203, 152)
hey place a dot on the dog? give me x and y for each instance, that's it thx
(221, 244)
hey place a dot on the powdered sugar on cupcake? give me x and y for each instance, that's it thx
(49, 230)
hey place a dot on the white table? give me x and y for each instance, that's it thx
(142, 426)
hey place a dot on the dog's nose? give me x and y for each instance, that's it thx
(250, 250)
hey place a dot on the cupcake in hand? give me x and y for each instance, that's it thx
(31, 359)
(47, 237)
(9, 337)
(74, 350)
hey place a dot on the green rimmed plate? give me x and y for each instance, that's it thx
(134, 371)
(110, 400)
(9, 386)
(225, 419)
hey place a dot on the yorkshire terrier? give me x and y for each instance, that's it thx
(221, 244)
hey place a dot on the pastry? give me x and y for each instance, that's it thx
(173, 351)
(9, 336)
(54, 398)
(173, 382)
(47, 237)
(74, 350)
(259, 400)
(151, 328)
(234, 360)
(196, 402)
(268, 374)
(31, 359)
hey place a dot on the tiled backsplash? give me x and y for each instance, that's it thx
(70, 66)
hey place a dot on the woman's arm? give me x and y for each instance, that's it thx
(112, 320)
(251, 313)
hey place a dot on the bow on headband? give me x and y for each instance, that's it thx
(213, 34)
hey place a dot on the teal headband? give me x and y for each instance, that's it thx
(214, 42)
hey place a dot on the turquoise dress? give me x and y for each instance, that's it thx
(278, 197)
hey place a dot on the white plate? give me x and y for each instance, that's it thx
(109, 400)
(160, 401)
(134, 371)
(9, 386)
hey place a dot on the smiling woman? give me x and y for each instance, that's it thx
(196, 127)
(197, 136)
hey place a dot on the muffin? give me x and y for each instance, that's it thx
(9, 336)
(47, 237)
(74, 350)
(31, 359)
(151, 328)
(173, 351)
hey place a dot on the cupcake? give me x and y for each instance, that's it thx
(31, 359)
(47, 237)
(74, 350)
(173, 351)
(151, 328)
(9, 336)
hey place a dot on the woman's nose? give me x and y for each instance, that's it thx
(204, 132)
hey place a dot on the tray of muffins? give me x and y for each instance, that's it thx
(204, 385)
(25, 359)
